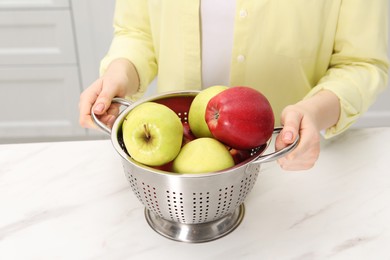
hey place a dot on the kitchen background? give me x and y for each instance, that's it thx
(49, 52)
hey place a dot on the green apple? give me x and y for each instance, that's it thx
(203, 155)
(152, 134)
(197, 112)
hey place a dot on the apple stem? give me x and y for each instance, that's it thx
(216, 114)
(147, 133)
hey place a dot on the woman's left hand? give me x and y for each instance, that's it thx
(296, 120)
(307, 117)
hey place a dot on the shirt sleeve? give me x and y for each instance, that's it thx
(358, 69)
(132, 40)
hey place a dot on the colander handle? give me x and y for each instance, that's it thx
(277, 154)
(100, 124)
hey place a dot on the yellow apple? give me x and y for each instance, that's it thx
(197, 111)
(203, 155)
(152, 134)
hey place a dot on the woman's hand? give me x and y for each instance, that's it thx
(298, 121)
(306, 118)
(119, 80)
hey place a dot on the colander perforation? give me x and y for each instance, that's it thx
(133, 184)
(246, 186)
(183, 116)
(175, 206)
(149, 198)
(200, 207)
(225, 199)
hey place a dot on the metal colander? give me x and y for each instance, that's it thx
(189, 207)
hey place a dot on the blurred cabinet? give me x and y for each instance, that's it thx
(39, 71)
(36, 37)
(50, 51)
(93, 31)
(29, 4)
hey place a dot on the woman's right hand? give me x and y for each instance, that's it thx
(119, 80)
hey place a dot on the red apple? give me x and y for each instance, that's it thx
(240, 117)
(239, 155)
(165, 167)
(187, 134)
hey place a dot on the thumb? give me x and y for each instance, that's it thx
(104, 99)
(291, 121)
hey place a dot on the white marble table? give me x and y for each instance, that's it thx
(71, 200)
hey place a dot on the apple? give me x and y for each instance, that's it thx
(241, 117)
(152, 134)
(203, 155)
(239, 155)
(197, 111)
(187, 134)
(165, 167)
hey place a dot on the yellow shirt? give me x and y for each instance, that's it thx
(287, 49)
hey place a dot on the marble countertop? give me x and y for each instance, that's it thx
(71, 200)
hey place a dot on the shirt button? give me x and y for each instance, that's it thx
(243, 13)
(240, 58)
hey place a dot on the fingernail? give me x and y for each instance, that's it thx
(288, 136)
(98, 108)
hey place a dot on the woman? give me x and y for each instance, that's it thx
(321, 63)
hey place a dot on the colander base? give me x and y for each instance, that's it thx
(195, 233)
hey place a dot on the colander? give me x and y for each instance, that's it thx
(188, 207)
